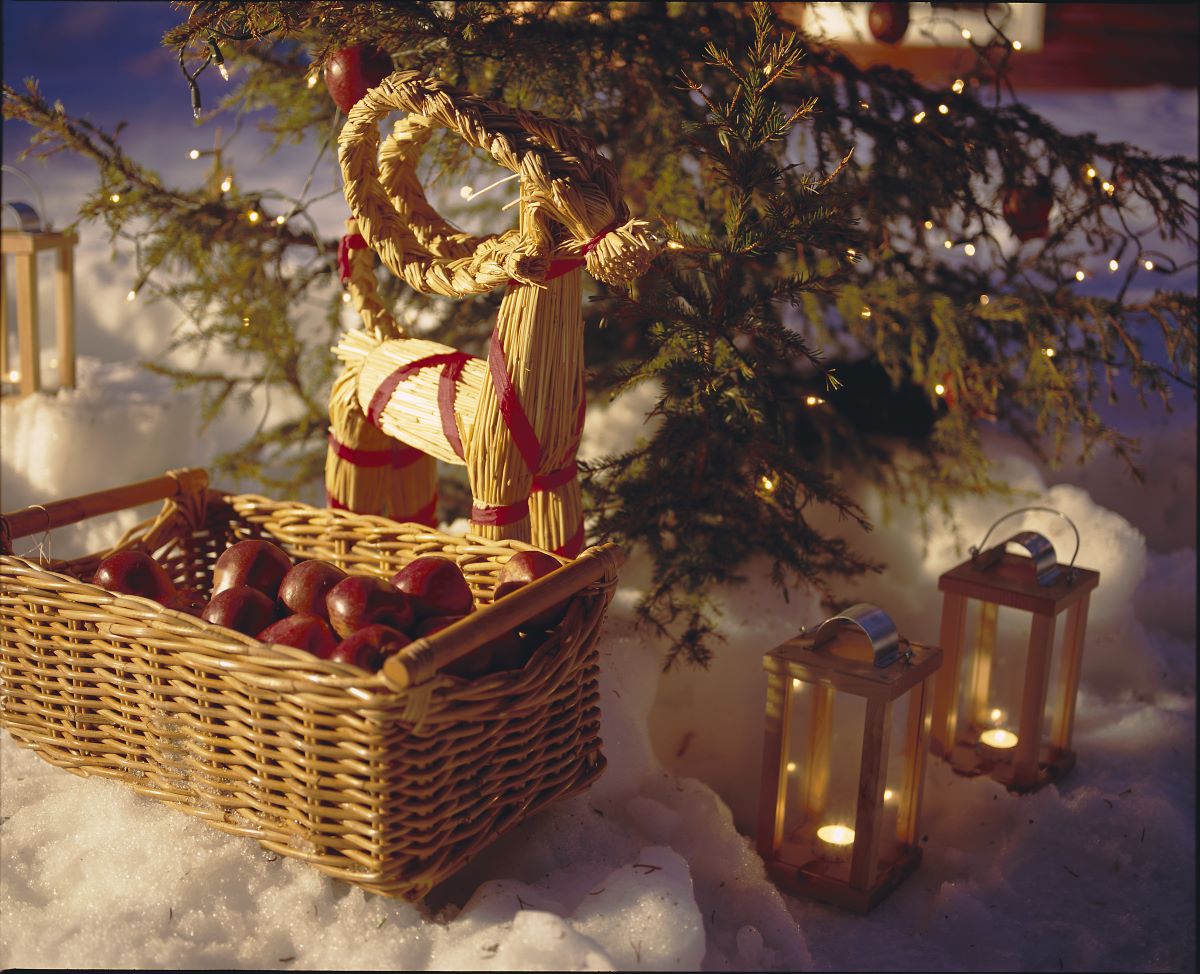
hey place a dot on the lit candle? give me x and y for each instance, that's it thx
(998, 738)
(836, 835)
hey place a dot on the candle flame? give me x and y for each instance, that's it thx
(836, 834)
(998, 737)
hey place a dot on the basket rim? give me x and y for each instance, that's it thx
(298, 670)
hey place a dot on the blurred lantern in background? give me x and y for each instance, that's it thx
(847, 713)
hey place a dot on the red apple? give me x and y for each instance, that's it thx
(258, 563)
(303, 631)
(352, 70)
(435, 586)
(306, 584)
(131, 572)
(361, 600)
(240, 608)
(523, 568)
(369, 646)
(187, 600)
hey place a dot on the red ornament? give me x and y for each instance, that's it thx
(1027, 209)
(352, 71)
(888, 22)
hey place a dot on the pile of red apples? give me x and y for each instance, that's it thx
(357, 619)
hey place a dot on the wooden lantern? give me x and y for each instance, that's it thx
(1007, 717)
(24, 243)
(847, 714)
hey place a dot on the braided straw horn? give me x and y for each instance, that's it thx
(564, 180)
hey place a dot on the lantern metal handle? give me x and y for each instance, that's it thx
(30, 219)
(876, 624)
(1037, 546)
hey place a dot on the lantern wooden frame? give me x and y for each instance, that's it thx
(24, 245)
(1045, 589)
(818, 659)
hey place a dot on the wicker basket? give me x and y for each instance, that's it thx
(391, 780)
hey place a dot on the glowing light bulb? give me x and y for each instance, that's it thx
(851, 252)
(1080, 275)
(14, 376)
(1108, 188)
(116, 197)
(224, 71)
(958, 86)
(226, 184)
(1149, 265)
(940, 389)
(312, 80)
(1091, 172)
(969, 250)
(1016, 45)
(888, 794)
(194, 154)
(767, 484)
(1113, 265)
(254, 216)
(943, 109)
(346, 297)
(131, 296)
(928, 224)
(863, 105)
(674, 245)
(791, 766)
(997, 715)
(948, 245)
(796, 684)
(466, 192)
(281, 219)
(966, 34)
(245, 322)
(865, 313)
(919, 118)
(1048, 352)
(984, 299)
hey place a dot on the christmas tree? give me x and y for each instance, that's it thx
(862, 271)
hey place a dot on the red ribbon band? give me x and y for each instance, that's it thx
(572, 546)
(397, 455)
(511, 410)
(455, 360)
(498, 515)
(555, 478)
(349, 242)
(565, 265)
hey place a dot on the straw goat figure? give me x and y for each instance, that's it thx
(515, 417)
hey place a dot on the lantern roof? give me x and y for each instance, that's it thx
(844, 656)
(1011, 579)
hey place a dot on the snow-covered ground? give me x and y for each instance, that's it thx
(654, 868)
(1094, 874)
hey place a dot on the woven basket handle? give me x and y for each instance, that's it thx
(38, 518)
(421, 659)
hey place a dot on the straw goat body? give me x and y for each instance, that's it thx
(514, 419)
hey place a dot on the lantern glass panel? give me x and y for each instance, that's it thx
(824, 765)
(824, 756)
(991, 694)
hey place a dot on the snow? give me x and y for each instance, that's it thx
(655, 868)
